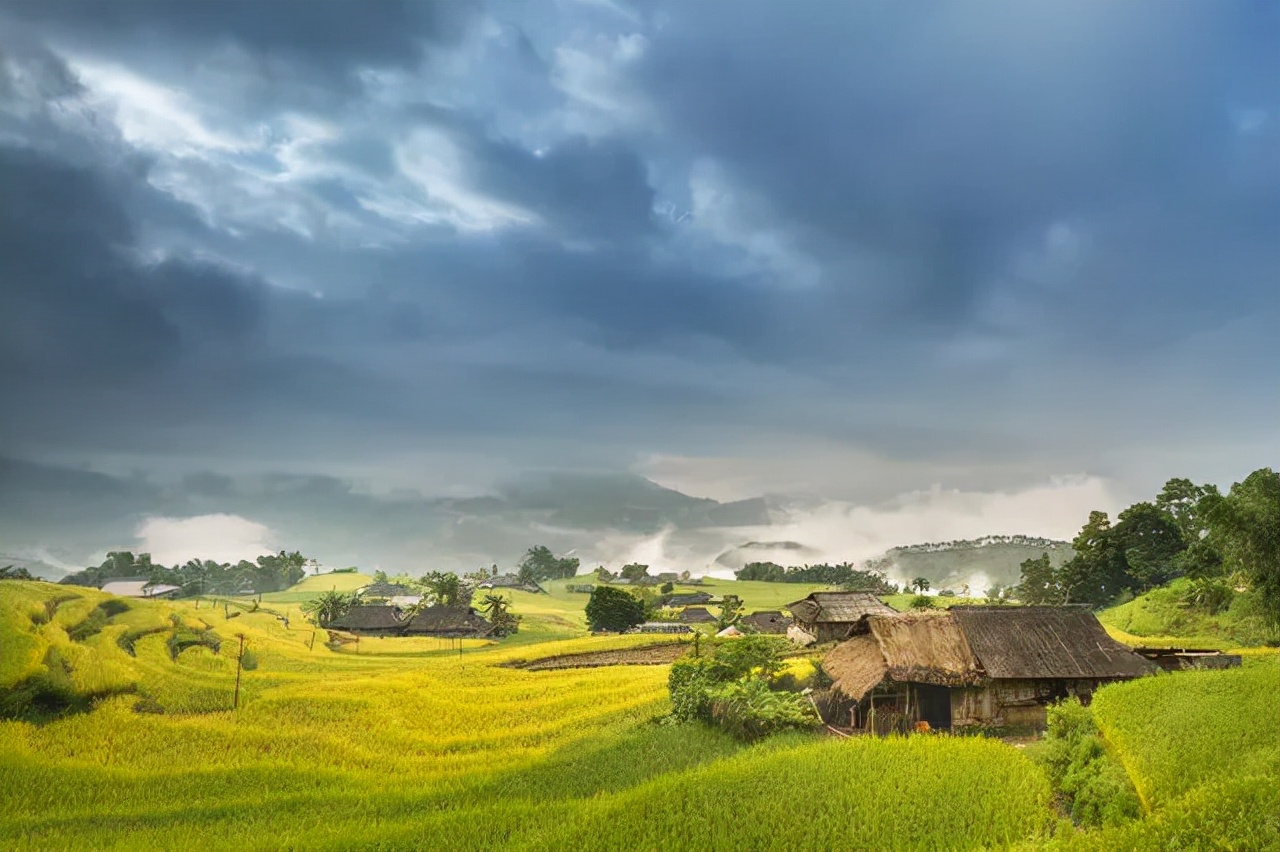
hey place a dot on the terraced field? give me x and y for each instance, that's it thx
(125, 738)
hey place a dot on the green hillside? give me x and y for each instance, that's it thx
(950, 565)
(1164, 616)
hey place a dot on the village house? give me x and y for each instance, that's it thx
(692, 599)
(370, 620)
(766, 621)
(832, 616)
(395, 594)
(696, 615)
(510, 581)
(455, 622)
(971, 666)
(660, 627)
(140, 589)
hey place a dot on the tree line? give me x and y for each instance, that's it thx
(1221, 542)
(844, 575)
(269, 573)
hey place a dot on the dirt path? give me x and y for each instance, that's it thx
(649, 655)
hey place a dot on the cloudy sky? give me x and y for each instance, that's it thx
(847, 249)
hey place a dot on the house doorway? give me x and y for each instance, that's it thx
(935, 705)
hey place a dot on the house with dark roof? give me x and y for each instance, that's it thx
(971, 666)
(370, 620)
(696, 615)
(832, 616)
(686, 599)
(455, 622)
(765, 621)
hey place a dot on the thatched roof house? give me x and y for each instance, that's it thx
(384, 591)
(972, 665)
(692, 599)
(457, 622)
(696, 615)
(827, 616)
(370, 619)
(765, 621)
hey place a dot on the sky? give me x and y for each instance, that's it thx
(850, 250)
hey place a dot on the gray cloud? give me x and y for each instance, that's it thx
(992, 242)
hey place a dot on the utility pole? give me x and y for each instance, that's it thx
(239, 658)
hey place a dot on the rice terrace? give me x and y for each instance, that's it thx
(639, 425)
(250, 721)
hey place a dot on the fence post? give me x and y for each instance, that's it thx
(239, 658)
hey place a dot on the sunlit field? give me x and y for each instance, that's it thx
(130, 741)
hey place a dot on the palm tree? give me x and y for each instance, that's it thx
(330, 606)
(498, 609)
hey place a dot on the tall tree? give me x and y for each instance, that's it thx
(1150, 541)
(539, 563)
(1247, 522)
(1040, 584)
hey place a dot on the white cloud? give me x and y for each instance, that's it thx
(153, 116)
(222, 538)
(434, 165)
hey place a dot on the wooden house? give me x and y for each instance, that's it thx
(456, 622)
(370, 620)
(765, 621)
(971, 666)
(690, 599)
(832, 616)
(696, 615)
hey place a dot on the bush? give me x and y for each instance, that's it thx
(248, 660)
(922, 602)
(748, 710)
(613, 609)
(1094, 786)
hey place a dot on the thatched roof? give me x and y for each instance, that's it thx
(971, 645)
(1046, 641)
(696, 615)
(369, 617)
(839, 607)
(687, 599)
(440, 620)
(768, 621)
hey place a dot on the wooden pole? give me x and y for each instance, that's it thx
(239, 658)
(312, 641)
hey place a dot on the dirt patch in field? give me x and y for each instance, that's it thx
(649, 655)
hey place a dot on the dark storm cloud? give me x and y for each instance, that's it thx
(326, 34)
(940, 232)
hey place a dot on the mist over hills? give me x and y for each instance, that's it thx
(54, 519)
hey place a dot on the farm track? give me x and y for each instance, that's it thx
(649, 655)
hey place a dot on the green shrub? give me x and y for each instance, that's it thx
(1094, 786)
(248, 660)
(748, 710)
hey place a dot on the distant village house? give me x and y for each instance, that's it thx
(832, 616)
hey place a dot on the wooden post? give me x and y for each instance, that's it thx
(312, 642)
(239, 657)
(697, 635)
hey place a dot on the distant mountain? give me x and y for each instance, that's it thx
(993, 560)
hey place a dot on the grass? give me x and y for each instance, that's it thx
(409, 745)
(1203, 751)
(1160, 617)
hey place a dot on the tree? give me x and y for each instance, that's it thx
(1097, 572)
(1040, 583)
(539, 563)
(920, 584)
(446, 588)
(8, 572)
(1247, 522)
(1150, 541)
(330, 606)
(613, 609)
(634, 572)
(730, 611)
(1187, 504)
(498, 609)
